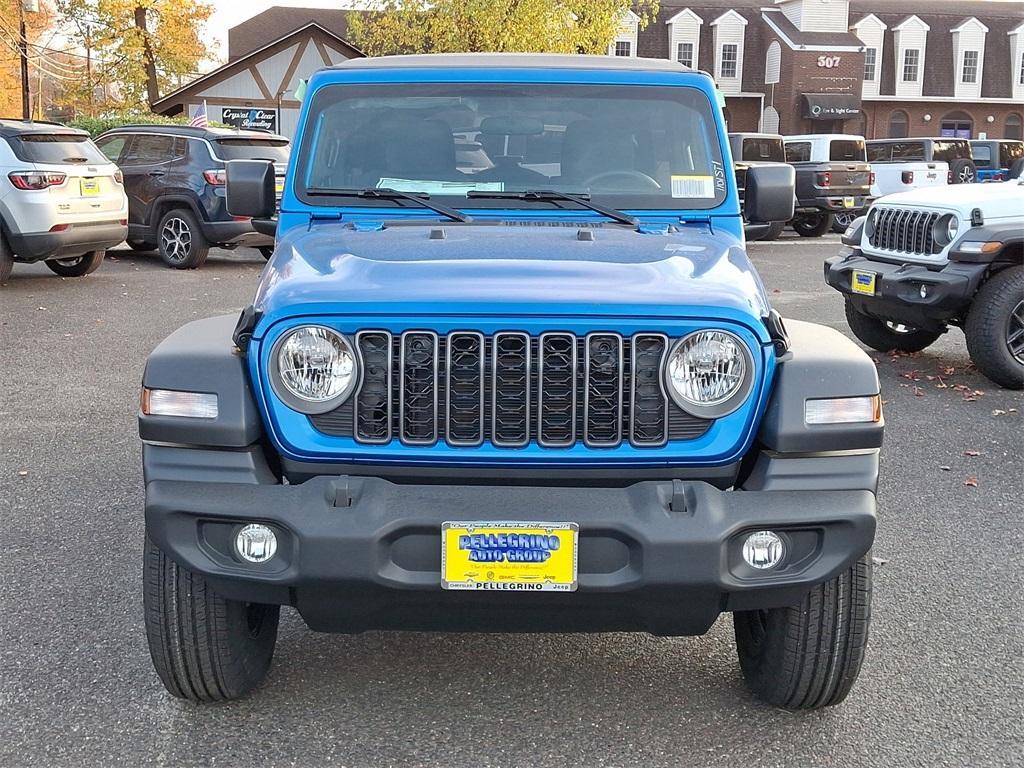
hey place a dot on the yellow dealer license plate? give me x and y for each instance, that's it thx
(863, 282)
(279, 186)
(90, 187)
(509, 556)
(849, 202)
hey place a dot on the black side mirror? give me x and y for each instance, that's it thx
(251, 192)
(769, 193)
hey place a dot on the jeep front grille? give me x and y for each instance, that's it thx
(511, 389)
(904, 231)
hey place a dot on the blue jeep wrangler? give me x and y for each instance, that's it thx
(510, 341)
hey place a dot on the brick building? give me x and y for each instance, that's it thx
(873, 67)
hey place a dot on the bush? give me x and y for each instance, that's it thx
(97, 125)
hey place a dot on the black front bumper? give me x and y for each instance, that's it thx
(897, 296)
(76, 240)
(359, 553)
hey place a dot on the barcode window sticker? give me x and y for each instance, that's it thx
(693, 186)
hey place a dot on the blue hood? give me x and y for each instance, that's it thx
(510, 269)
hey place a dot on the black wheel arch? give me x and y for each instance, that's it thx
(165, 203)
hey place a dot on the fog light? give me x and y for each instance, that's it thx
(256, 543)
(924, 291)
(763, 550)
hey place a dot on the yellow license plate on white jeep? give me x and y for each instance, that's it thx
(509, 556)
(863, 282)
(849, 202)
(90, 187)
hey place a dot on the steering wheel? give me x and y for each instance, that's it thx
(627, 174)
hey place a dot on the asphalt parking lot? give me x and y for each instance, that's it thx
(943, 684)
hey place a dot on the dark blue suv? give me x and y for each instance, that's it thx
(537, 386)
(175, 180)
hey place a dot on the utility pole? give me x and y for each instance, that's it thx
(26, 111)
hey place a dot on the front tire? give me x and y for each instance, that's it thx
(886, 337)
(812, 224)
(79, 266)
(204, 647)
(995, 328)
(808, 656)
(181, 242)
(266, 251)
(775, 230)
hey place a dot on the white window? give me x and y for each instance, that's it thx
(969, 71)
(911, 60)
(870, 63)
(623, 48)
(684, 54)
(730, 57)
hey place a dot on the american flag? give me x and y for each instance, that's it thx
(199, 118)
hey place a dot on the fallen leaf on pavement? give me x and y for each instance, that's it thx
(879, 560)
(945, 468)
(972, 453)
(972, 482)
(997, 412)
(22, 472)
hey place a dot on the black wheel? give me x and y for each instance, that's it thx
(266, 251)
(77, 266)
(962, 172)
(140, 245)
(204, 648)
(809, 655)
(6, 260)
(843, 220)
(995, 328)
(886, 336)
(181, 242)
(812, 224)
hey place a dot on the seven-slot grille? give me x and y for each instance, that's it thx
(511, 389)
(904, 231)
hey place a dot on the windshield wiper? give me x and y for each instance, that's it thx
(582, 199)
(385, 193)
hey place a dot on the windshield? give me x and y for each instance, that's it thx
(275, 150)
(56, 149)
(641, 147)
(764, 149)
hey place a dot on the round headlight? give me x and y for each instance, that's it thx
(952, 225)
(869, 225)
(313, 369)
(945, 229)
(709, 373)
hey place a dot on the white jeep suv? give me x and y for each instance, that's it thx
(61, 200)
(923, 261)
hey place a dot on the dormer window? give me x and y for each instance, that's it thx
(730, 57)
(969, 71)
(911, 63)
(684, 54)
(870, 63)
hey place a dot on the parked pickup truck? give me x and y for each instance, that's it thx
(923, 261)
(510, 400)
(750, 150)
(833, 181)
(897, 168)
(955, 153)
(996, 158)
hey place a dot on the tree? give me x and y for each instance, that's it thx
(37, 24)
(141, 46)
(445, 26)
